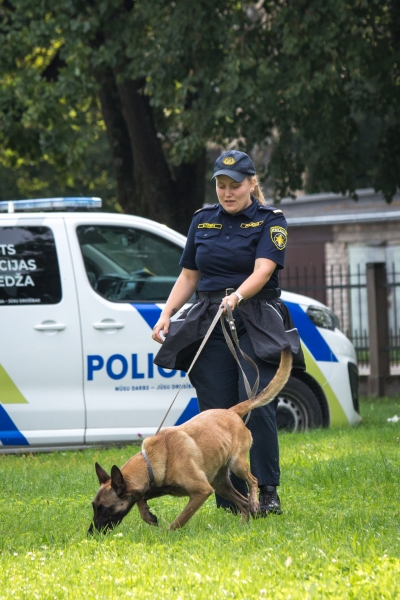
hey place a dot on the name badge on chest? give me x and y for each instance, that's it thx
(255, 224)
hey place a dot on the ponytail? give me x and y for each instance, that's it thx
(257, 193)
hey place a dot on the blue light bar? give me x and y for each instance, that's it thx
(49, 204)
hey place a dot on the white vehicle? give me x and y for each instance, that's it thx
(79, 295)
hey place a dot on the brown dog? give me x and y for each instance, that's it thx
(192, 460)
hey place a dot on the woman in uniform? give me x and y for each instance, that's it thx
(233, 254)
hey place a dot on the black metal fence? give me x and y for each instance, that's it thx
(344, 290)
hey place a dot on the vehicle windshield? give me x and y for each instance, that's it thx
(125, 264)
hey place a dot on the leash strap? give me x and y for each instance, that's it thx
(251, 392)
(149, 468)
(213, 324)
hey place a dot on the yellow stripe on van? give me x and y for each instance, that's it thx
(337, 414)
(9, 393)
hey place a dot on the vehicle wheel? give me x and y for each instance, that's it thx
(298, 408)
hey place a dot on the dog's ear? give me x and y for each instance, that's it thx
(117, 481)
(101, 474)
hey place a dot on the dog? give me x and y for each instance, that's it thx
(193, 459)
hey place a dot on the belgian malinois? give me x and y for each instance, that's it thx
(192, 460)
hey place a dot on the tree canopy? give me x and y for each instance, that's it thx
(314, 82)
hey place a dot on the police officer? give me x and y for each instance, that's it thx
(233, 255)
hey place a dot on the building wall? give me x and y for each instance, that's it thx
(336, 255)
(305, 260)
(336, 262)
(342, 252)
(367, 233)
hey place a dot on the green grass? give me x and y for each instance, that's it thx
(339, 536)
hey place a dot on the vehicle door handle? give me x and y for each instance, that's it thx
(104, 325)
(50, 327)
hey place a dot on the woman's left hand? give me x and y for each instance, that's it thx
(232, 300)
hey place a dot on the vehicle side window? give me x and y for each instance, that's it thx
(124, 264)
(29, 271)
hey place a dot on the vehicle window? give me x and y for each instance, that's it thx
(29, 272)
(124, 264)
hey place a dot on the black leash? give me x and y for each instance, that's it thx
(149, 468)
(251, 392)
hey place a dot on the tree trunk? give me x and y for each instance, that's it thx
(118, 139)
(152, 175)
(145, 183)
(189, 192)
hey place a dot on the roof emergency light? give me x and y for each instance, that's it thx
(11, 206)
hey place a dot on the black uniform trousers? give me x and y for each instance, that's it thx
(219, 384)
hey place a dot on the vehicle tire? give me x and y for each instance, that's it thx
(298, 408)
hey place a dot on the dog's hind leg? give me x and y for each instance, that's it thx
(223, 486)
(240, 466)
(145, 513)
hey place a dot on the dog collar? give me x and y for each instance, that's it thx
(149, 468)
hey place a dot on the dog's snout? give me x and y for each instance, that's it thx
(101, 528)
(103, 525)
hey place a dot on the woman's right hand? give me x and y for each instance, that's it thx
(161, 325)
(185, 286)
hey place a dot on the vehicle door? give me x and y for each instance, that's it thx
(41, 365)
(124, 275)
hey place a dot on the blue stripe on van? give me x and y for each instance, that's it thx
(307, 330)
(191, 410)
(9, 432)
(150, 313)
(310, 334)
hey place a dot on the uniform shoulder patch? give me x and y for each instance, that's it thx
(207, 207)
(277, 211)
(278, 236)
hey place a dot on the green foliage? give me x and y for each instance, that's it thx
(316, 82)
(43, 179)
(339, 536)
(337, 65)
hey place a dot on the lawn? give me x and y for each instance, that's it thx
(339, 536)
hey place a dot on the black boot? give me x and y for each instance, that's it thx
(269, 501)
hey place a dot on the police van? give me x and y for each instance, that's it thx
(79, 295)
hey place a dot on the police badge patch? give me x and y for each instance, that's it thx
(279, 237)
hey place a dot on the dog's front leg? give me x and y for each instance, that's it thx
(196, 500)
(145, 513)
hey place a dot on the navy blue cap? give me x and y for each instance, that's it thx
(234, 164)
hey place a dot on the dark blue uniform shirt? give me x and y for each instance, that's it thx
(224, 247)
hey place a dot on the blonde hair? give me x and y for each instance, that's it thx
(257, 193)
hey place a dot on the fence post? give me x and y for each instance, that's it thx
(378, 328)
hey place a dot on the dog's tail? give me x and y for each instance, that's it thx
(272, 389)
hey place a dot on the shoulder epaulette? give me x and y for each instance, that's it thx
(276, 211)
(207, 207)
